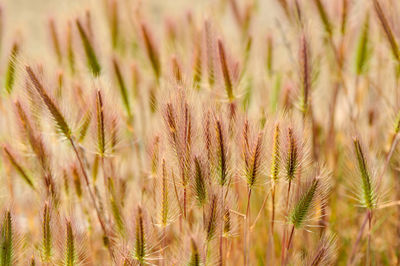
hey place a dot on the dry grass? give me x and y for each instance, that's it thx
(225, 132)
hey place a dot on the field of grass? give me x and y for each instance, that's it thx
(219, 132)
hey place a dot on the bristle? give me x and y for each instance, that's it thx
(324, 252)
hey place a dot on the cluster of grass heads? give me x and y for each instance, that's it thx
(207, 137)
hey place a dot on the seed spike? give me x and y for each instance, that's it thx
(253, 170)
(51, 106)
(195, 256)
(165, 197)
(211, 225)
(368, 194)
(152, 52)
(122, 86)
(54, 39)
(21, 171)
(91, 57)
(303, 206)
(11, 67)
(47, 251)
(324, 17)
(70, 252)
(7, 245)
(388, 31)
(292, 157)
(275, 163)
(222, 170)
(199, 183)
(363, 47)
(225, 71)
(140, 250)
(101, 143)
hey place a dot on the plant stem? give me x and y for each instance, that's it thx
(246, 229)
(289, 244)
(103, 226)
(360, 233)
(285, 227)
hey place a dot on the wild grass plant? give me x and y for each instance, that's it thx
(226, 132)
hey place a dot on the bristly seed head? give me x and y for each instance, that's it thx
(368, 197)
